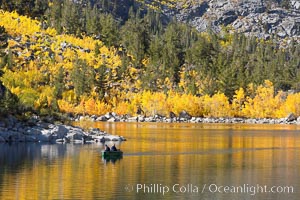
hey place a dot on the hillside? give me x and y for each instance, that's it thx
(264, 18)
(158, 71)
(41, 64)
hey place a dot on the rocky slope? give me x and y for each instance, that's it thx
(261, 18)
(36, 130)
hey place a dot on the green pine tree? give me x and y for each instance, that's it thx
(8, 101)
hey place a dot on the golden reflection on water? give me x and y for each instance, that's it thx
(154, 153)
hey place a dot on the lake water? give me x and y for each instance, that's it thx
(160, 161)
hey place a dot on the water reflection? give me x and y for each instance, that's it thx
(156, 154)
(14, 156)
(112, 160)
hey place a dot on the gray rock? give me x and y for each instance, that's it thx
(226, 20)
(172, 115)
(101, 119)
(2, 124)
(38, 131)
(193, 119)
(111, 120)
(34, 131)
(150, 119)
(2, 139)
(282, 121)
(298, 120)
(184, 115)
(141, 118)
(114, 115)
(75, 135)
(295, 4)
(14, 136)
(12, 120)
(60, 131)
(246, 16)
(250, 121)
(18, 125)
(264, 121)
(3, 130)
(30, 138)
(238, 24)
(291, 27)
(81, 118)
(199, 120)
(132, 119)
(45, 136)
(93, 117)
(78, 141)
(208, 120)
(61, 140)
(75, 128)
(158, 118)
(109, 115)
(291, 117)
(281, 34)
(96, 131)
(169, 120)
(114, 138)
(44, 125)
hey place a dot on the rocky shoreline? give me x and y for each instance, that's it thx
(185, 117)
(13, 130)
(37, 130)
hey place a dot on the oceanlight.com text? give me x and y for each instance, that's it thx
(247, 189)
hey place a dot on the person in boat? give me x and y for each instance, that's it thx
(113, 148)
(107, 148)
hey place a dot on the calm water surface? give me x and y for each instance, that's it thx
(185, 161)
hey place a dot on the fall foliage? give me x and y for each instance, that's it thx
(49, 72)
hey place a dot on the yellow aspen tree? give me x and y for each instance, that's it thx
(238, 102)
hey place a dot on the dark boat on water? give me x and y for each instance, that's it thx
(112, 154)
